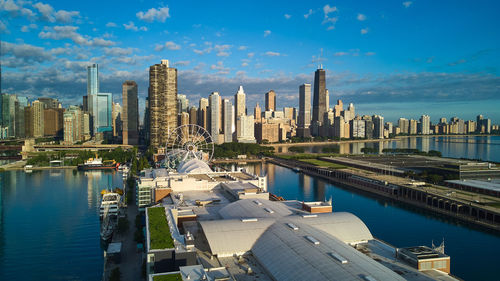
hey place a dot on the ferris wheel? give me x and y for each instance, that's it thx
(188, 142)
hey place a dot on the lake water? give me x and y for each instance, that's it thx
(49, 226)
(486, 148)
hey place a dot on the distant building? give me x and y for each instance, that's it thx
(73, 126)
(20, 105)
(425, 122)
(267, 132)
(130, 113)
(202, 113)
(404, 125)
(271, 101)
(213, 116)
(245, 131)
(92, 79)
(319, 99)
(228, 120)
(357, 128)
(162, 100)
(193, 115)
(50, 102)
(53, 122)
(38, 118)
(8, 107)
(257, 114)
(378, 127)
(304, 106)
(101, 110)
(413, 127)
(116, 116)
(182, 103)
(239, 105)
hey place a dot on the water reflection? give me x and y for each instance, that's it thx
(486, 148)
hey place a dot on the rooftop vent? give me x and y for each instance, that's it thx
(249, 220)
(312, 240)
(292, 226)
(339, 258)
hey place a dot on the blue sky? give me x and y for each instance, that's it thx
(395, 58)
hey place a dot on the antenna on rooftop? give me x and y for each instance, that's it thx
(319, 59)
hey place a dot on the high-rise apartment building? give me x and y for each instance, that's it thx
(162, 102)
(228, 120)
(182, 103)
(304, 106)
(202, 113)
(245, 129)
(271, 101)
(53, 122)
(130, 113)
(193, 115)
(116, 117)
(8, 112)
(50, 102)
(378, 127)
(319, 98)
(92, 79)
(213, 116)
(403, 125)
(357, 128)
(425, 123)
(413, 127)
(101, 110)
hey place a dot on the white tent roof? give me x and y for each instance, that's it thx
(254, 208)
(193, 166)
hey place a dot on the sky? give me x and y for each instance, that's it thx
(393, 58)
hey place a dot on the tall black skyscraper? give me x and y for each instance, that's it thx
(319, 100)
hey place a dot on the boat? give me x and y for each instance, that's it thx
(107, 225)
(110, 204)
(98, 164)
(296, 169)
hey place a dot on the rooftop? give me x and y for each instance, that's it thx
(159, 233)
(493, 185)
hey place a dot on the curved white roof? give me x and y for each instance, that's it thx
(254, 208)
(193, 166)
(344, 226)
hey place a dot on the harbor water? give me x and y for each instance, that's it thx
(50, 225)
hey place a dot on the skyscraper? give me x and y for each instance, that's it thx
(378, 127)
(245, 129)
(319, 99)
(304, 105)
(202, 113)
(271, 101)
(162, 102)
(101, 109)
(130, 113)
(92, 79)
(425, 122)
(213, 116)
(182, 103)
(239, 105)
(228, 120)
(257, 113)
(38, 117)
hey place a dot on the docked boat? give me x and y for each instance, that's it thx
(111, 203)
(98, 164)
(107, 225)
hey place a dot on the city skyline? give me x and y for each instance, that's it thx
(366, 50)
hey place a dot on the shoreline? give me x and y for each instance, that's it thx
(319, 143)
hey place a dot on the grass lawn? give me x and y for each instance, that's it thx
(322, 163)
(158, 229)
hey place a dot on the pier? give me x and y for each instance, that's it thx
(442, 200)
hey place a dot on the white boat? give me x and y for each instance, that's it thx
(107, 225)
(110, 204)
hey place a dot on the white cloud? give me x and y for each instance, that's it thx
(365, 30)
(361, 17)
(309, 13)
(18, 55)
(332, 20)
(221, 69)
(117, 51)
(242, 48)
(369, 53)
(169, 45)
(111, 24)
(28, 28)
(272, 54)
(327, 9)
(287, 16)
(3, 28)
(267, 32)
(48, 13)
(14, 9)
(70, 32)
(250, 55)
(131, 26)
(340, 54)
(244, 64)
(182, 63)
(160, 14)
(407, 4)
